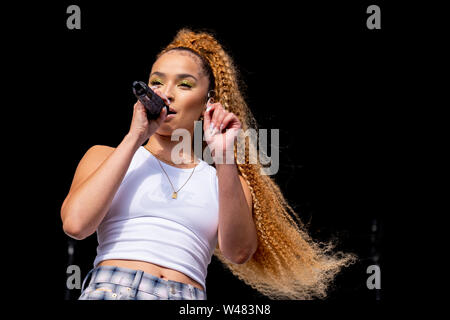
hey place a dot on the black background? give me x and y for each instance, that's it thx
(313, 71)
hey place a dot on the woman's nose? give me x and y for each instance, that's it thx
(168, 93)
(161, 93)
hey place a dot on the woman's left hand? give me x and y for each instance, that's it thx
(221, 129)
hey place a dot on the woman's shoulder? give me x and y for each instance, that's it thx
(99, 152)
(96, 154)
(91, 160)
(99, 148)
(210, 167)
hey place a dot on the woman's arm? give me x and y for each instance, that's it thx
(100, 173)
(96, 181)
(237, 233)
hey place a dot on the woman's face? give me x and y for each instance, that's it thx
(179, 75)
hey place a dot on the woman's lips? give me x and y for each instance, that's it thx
(171, 111)
(170, 116)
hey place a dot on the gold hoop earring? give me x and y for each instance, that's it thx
(211, 96)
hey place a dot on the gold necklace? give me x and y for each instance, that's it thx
(175, 193)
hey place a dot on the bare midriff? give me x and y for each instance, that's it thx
(153, 269)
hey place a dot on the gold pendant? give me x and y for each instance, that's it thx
(174, 195)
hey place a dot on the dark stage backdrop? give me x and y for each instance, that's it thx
(313, 71)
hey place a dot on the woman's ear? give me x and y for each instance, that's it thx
(209, 101)
(210, 97)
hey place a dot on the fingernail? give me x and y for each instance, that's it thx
(211, 126)
(208, 108)
(165, 98)
(221, 127)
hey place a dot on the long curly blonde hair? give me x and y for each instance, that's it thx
(288, 263)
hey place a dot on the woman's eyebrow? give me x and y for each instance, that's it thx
(179, 76)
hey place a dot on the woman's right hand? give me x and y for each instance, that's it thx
(141, 127)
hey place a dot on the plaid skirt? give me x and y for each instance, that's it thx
(114, 283)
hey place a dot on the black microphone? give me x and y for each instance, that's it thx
(151, 101)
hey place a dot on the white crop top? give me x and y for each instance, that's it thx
(144, 223)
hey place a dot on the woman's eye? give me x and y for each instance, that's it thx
(155, 82)
(186, 84)
(183, 84)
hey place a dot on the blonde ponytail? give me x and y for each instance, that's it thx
(288, 264)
